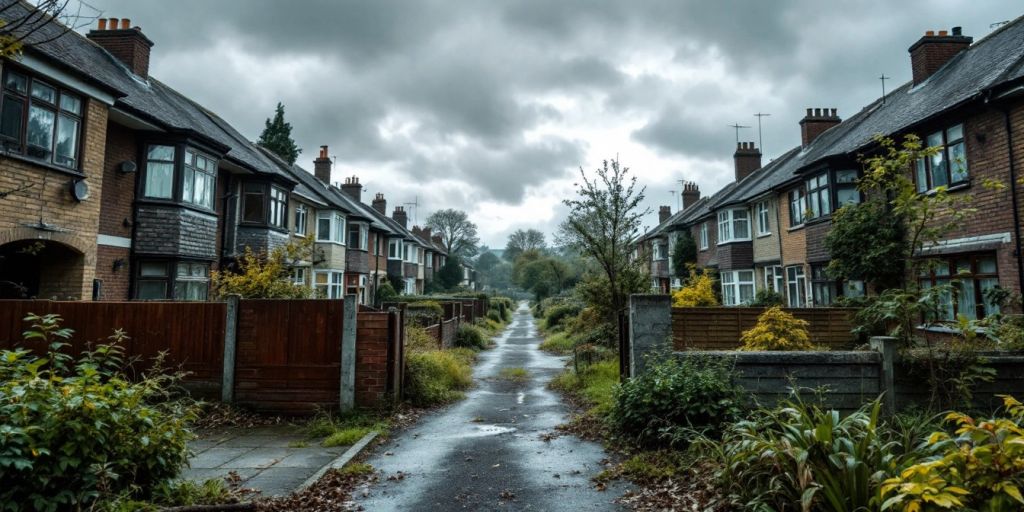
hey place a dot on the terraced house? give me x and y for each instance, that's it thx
(766, 229)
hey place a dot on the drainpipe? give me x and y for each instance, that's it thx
(1013, 182)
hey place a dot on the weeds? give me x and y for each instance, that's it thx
(514, 374)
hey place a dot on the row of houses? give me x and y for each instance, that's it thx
(114, 186)
(766, 229)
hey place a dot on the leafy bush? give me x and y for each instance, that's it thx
(777, 330)
(557, 316)
(801, 456)
(699, 291)
(386, 292)
(428, 309)
(436, 377)
(76, 430)
(673, 397)
(981, 468)
(494, 316)
(417, 339)
(265, 276)
(559, 343)
(594, 384)
(766, 298)
(470, 336)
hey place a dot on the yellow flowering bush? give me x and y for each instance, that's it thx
(698, 292)
(266, 276)
(777, 330)
(982, 468)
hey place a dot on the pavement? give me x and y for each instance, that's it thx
(274, 459)
(492, 451)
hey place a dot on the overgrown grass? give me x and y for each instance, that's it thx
(176, 493)
(345, 430)
(649, 467)
(356, 469)
(594, 385)
(559, 343)
(514, 374)
(346, 436)
(437, 376)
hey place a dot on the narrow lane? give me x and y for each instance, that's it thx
(492, 451)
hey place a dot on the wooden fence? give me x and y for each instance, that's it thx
(720, 328)
(284, 356)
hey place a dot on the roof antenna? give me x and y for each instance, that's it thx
(737, 127)
(998, 24)
(883, 78)
(674, 200)
(760, 141)
(415, 204)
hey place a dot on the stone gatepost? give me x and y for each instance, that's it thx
(650, 329)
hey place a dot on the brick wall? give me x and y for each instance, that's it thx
(794, 248)
(48, 199)
(766, 248)
(371, 358)
(116, 283)
(708, 256)
(736, 256)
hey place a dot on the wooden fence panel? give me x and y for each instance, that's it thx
(720, 328)
(289, 354)
(191, 333)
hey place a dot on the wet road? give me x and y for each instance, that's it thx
(488, 452)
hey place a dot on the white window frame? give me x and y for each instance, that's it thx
(727, 222)
(299, 276)
(704, 236)
(775, 279)
(396, 244)
(660, 251)
(796, 286)
(734, 283)
(301, 214)
(336, 227)
(764, 225)
(797, 207)
(430, 259)
(333, 286)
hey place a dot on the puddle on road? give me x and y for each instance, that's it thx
(520, 397)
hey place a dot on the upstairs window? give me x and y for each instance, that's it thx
(263, 203)
(199, 179)
(846, 188)
(764, 226)
(330, 227)
(704, 236)
(159, 172)
(395, 249)
(358, 237)
(818, 197)
(948, 167)
(796, 207)
(278, 207)
(40, 120)
(733, 225)
(301, 220)
(660, 250)
(197, 176)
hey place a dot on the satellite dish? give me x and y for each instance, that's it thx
(128, 167)
(80, 190)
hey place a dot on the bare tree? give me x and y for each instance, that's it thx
(603, 222)
(521, 241)
(39, 22)
(457, 233)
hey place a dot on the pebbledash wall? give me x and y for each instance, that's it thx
(849, 378)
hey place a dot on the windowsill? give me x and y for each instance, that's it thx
(818, 220)
(764, 235)
(258, 225)
(331, 242)
(703, 249)
(795, 228)
(51, 166)
(737, 241)
(175, 204)
(951, 188)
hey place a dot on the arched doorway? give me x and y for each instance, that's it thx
(41, 269)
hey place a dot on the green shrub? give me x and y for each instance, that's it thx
(777, 330)
(672, 398)
(766, 298)
(494, 316)
(470, 336)
(556, 316)
(76, 430)
(417, 339)
(594, 384)
(428, 309)
(560, 343)
(436, 377)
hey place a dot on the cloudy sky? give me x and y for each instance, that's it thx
(493, 106)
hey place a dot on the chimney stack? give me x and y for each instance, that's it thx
(128, 44)
(691, 194)
(322, 166)
(747, 158)
(933, 51)
(816, 122)
(399, 216)
(664, 212)
(380, 204)
(353, 189)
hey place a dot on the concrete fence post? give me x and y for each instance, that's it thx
(347, 395)
(650, 329)
(886, 346)
(227, 383)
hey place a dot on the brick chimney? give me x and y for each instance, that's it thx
(664, 212)
(437, 240)
(933, 51)
(353, 189)
(125, 42)
(691, 194)
(322, 166)
(399, 216)
(380, 204)
(816, 122)
(747, 158)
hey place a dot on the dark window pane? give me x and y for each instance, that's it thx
(40, 130)
(152, 290)
(16, 82)
(67, 140)
(44, 92)
(10, 119)
(165, 153)
(252, 209)
(71, 104)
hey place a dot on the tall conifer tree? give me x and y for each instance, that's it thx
(277, 137)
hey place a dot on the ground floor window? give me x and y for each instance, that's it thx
(329, 283)
(178, 280)
(737, 287)
(299, 276)
(410, 286)
(774, 279)
(796, 287)
(967, 281)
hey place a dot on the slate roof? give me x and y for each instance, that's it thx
(149, 98)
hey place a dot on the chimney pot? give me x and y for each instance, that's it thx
(112, 23)
(131, 47)
(102, 24)
(929, 33)
(814, 123)
(126, 23)
(957, 31)
(943, 33)
(931, 52)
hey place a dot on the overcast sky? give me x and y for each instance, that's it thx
(492, 107)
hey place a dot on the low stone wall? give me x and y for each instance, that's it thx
(448, 330)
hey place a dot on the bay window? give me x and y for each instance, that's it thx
(846, 187)
(182, 280)
(330, 227)
(299, 276)
(763, 219)
(192, 281)
(733, 225)
(395, 249)
(818, 198)
(278, 207)
(823, 287)
(301, 218)
(329, 284)
(704, 236)
(948, 166)
(660, 250)
(796, 207)
(263, 203)
(796, 287)
(159, 172)
(197, 176)
(199, 179)
(358, 237)
(40, 120)
(737, 287)
(968, 279)
(774, 279)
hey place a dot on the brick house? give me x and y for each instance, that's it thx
(965, 98)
